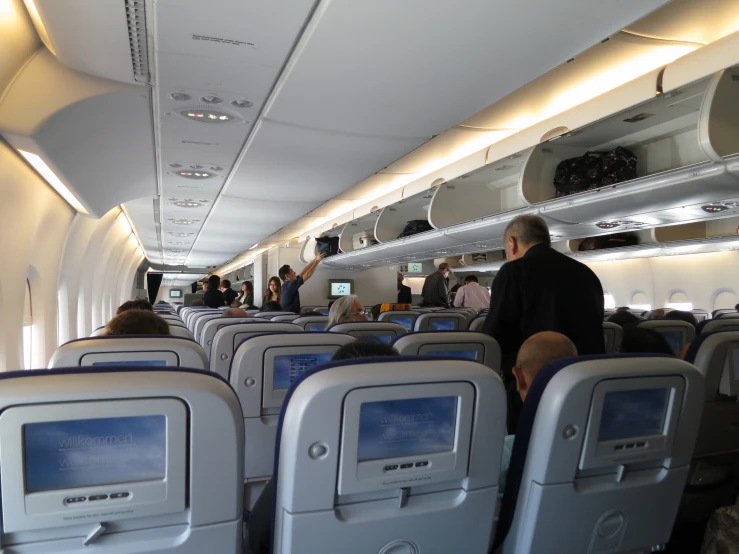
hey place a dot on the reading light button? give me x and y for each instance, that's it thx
(405, 466)
(75, 499)
(641, 444)
(98, 497)
(421, 464)
(119, 495)
(391, 468)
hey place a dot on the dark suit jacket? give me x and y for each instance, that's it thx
(404, 295)
(545, 291)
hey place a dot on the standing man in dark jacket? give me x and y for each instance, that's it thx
(435, 292)
(404, 292)
(539, 289)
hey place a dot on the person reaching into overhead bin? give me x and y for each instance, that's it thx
(293, 281)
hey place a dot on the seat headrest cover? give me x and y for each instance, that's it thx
(75, 370)
(109, 337)
(525, 426)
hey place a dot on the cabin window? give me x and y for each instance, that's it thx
(609, 302)
(724, 300)
(679, 301)
(28, 329)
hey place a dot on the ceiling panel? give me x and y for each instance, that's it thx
(418, 67)
(308, 165)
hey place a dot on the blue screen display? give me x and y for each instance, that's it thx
(289, 366)
(317, 328)
(93, 452)
(443, 325)
(633, 413)
(143, 363)
(406, 322)
(466, 354)
(675, 340)
(409, 427)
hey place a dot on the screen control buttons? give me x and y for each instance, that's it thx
(390, 468)
(422, 464)
(97, 497)
(75, 499)
(405, 466)
(119, 495)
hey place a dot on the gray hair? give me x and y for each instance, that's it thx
(528, 229)
(341, 309)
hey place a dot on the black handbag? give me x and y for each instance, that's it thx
(594, 170)
(415, 226)
(605, 242)
(327, 245)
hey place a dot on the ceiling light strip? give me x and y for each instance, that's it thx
(133, 231)
(310, 24)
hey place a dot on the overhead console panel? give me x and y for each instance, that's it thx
(685, 137)
(95, 135)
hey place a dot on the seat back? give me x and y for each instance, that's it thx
(717, 313)
(200, 321)
(270, 315)
(312, 322)
(612, 335)
(285, 318)
(370, 330)
(677, 333)
(405, 318)
(99, 332)
(181, 331)
(731, 315)
(193, 317)
(212, 325)
(701, 315)
(477, 324)
(456, 344)
(713, 325)
(228, 338)
(346, 480)
(610, 438)
(441, 321)
(263, 368)
(130, 350)
(120, 460)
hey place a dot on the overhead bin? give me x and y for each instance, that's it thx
(352, 232)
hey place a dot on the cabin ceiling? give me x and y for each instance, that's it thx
(336, 92)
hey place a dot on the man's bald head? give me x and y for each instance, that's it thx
(536, 352)
(234, 312)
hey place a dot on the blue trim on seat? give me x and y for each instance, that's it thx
(115, 337)
(525, 427)
(312, 371)
(82, 370)
(362, 323)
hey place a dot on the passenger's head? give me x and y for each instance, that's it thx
(364, 349)
(139, 304)
(137, 322)
(536, 352)
(400, 278)
(470, 279)
(205, 286)
(682, 316)
(214, 281)
(659, 313)
(644, 341)
(248, 288)
(272, 307)
(274, 286)
(346, 308)
(287, 273)
(234, 312)
(444, 269)
(522, 233)
(625, 319)
(375, 311)
(736, 307)
(225, 284)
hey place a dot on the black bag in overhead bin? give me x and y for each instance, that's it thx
(578, 174)
(327, 245)
(415, 226)
(617, 166)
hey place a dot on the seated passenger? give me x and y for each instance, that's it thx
(234, 312)
(139, 304)
(535, 353)
(137, 322)
(260, 519)
(472, 295)
(639, 340)
(625, 319)
(682, 316)
(247, 294)
(657, 314)
(213, 298)
(271, 307)
(346, 308)
(375, 312)
(736, 307)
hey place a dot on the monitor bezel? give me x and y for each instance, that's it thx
(334, 296)
(180, 291)
(479, 348)
(359, 477)
(683, 333)
(271, 397)
(358, 333)
(433, 320)
(23, 511)
(729, 383)
(171, 358)
(596, 454)
(413, 318)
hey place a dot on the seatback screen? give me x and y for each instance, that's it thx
(736, 364)
(406, 322)
(675, 340)
(633, 413)
(92, 452)
(408, 427)
(466, 354)
(288, 367)
(143, 363)
(316, 327)
(443, 325)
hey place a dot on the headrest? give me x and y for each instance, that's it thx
(525, 427)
